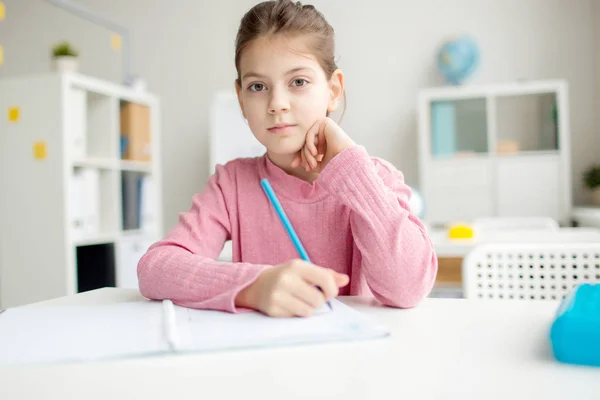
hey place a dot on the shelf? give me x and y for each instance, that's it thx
(514, 88)
(112, 237)
(527, 123)
(101, 113)
(500, 150)
(93, 202)
(78, 120)
(459, 126)
(137, 191)
(97, 239)
(91, 124)
(533, 153)
(100, 87)
(96, 162)
(462, 156)
(135, 132)
(134, 232)
(136, 166)
(96, 266)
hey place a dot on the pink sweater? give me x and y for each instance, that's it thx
(354, 218)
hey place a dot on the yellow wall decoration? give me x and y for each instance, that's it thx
(39, 150)
(14, 114)
(1, 55)
(115, 41)
(2, 11)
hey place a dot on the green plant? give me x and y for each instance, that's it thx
(591, 177)
(63, 49)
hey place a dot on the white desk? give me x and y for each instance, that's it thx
(443, 349)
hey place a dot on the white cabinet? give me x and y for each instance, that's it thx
(66, 181)
(495, 150)
(129, 252)
(529, 186)
(463, 190)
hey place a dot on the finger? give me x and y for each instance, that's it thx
(340, 279)
(278, 312)
(320, 277)
(321, 142)
(309, 158)
(311, 135)
(319, 156)
(295, 307)
(304, 162)
(309, 294)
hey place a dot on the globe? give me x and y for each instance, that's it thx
(458, 58)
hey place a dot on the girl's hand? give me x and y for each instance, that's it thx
(289, 290)
(324, 140)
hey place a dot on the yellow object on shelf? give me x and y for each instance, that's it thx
(460, 231)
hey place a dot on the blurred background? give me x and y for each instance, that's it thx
(463, 96)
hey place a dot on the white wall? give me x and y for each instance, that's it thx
(184, 49)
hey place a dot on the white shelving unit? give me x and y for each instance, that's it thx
(495, 150)
(59, 236)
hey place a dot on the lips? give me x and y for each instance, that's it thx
(281, 128)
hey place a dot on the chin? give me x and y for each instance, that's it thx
(283, 150)
(284, 147)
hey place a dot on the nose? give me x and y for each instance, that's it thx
(279, 102)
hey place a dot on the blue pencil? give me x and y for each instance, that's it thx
(287, 224)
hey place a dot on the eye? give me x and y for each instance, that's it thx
(299, 82)
(256, 87)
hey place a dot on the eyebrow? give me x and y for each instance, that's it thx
(260, 76)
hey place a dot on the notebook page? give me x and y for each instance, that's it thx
(81, 333)
(212, 330)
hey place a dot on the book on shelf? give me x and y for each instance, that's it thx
(138, 201)
(84, 203)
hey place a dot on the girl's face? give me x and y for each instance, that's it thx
(284, 91)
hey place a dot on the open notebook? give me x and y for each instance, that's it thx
(100, 332)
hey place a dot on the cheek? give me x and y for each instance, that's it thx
(314, 104)
(255, 116)
(254, 110)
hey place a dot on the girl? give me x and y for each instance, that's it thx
(349, 209)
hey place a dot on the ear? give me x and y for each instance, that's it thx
(238, 91)
(336, 90)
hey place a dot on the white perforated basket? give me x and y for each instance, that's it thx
(542, 271)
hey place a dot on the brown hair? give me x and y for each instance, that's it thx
(288, 18)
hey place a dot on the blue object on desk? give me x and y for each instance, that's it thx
(286, 223)
(575, 332)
